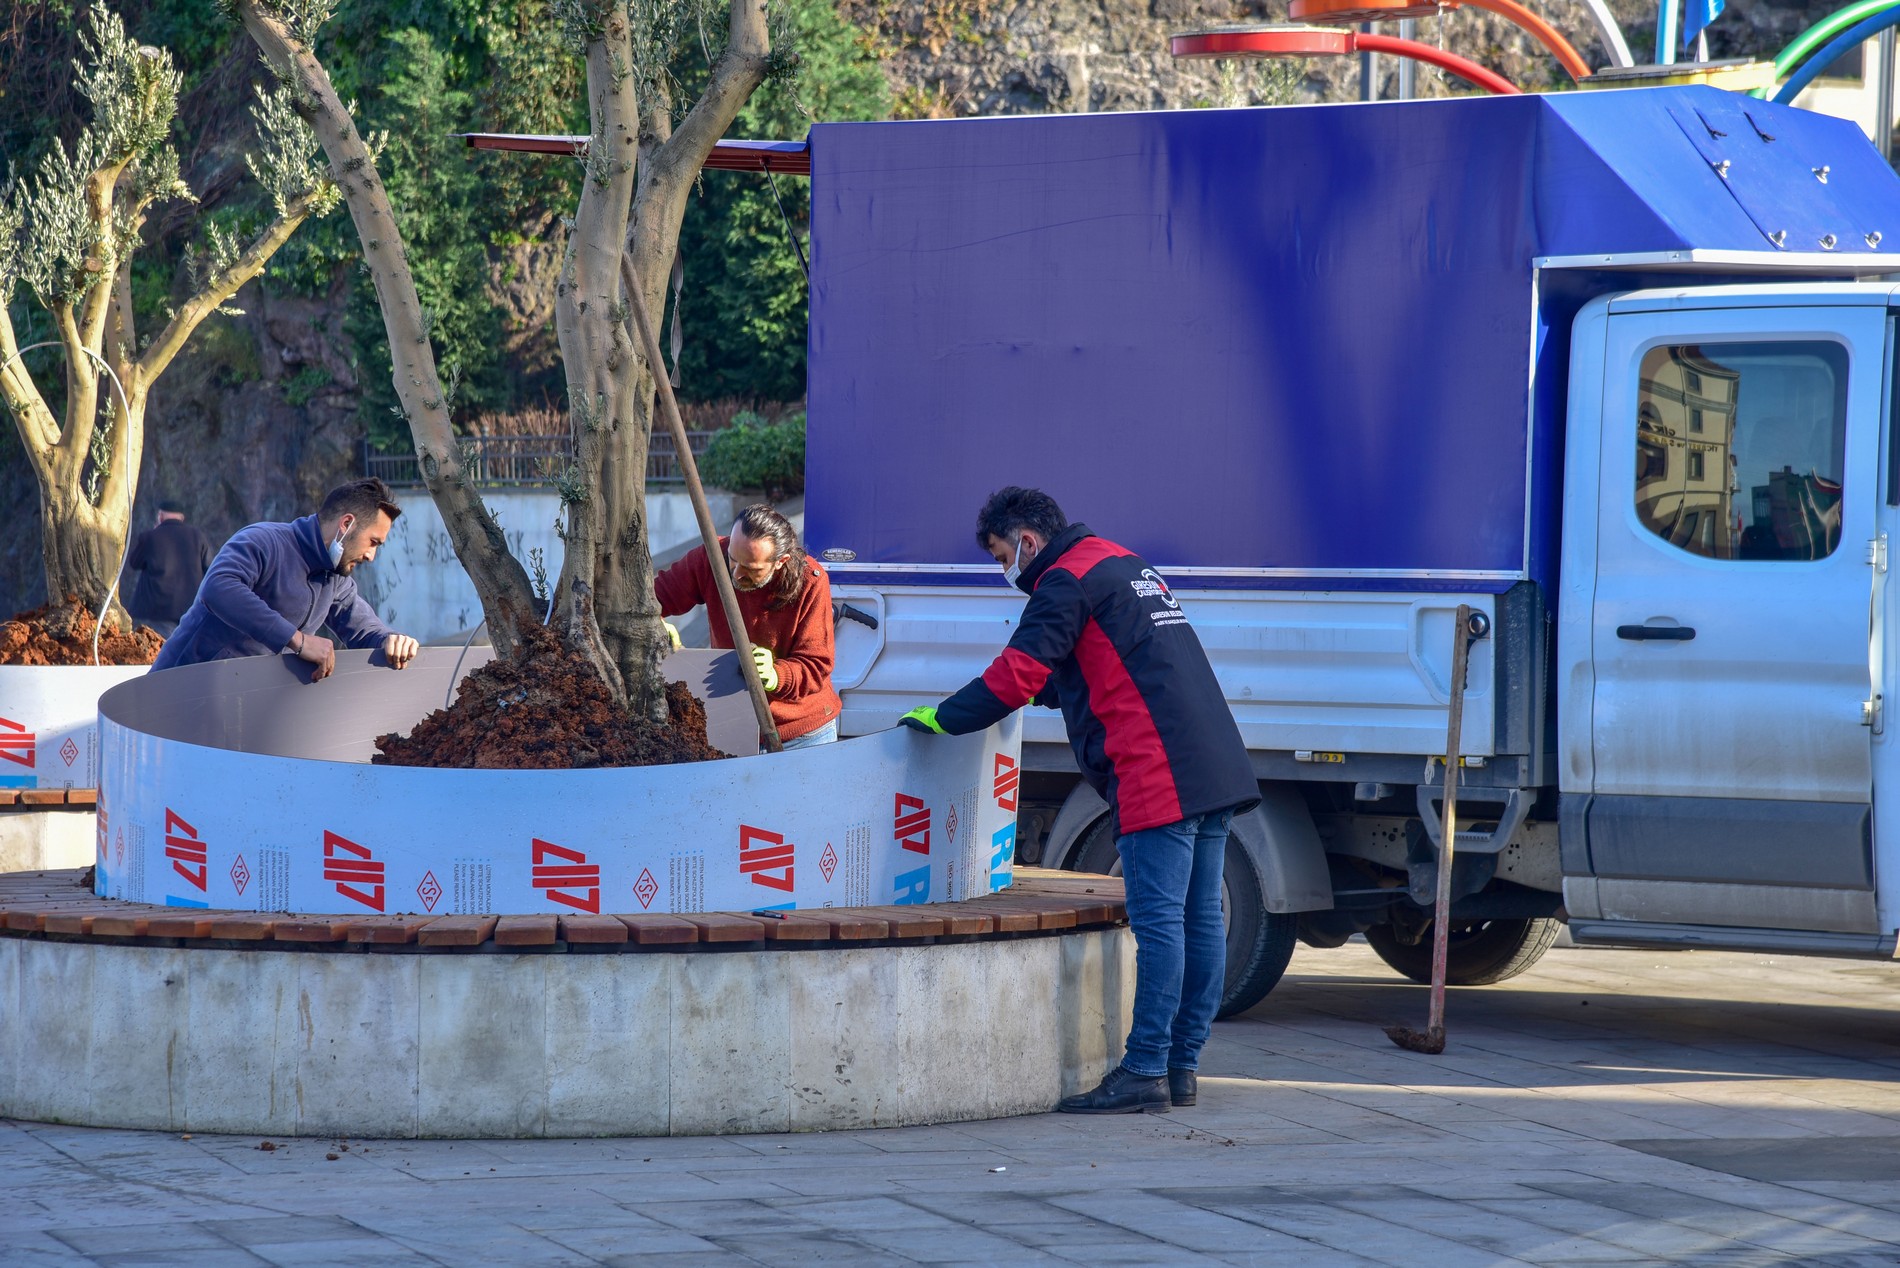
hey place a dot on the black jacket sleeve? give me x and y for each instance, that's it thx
(1052, 623)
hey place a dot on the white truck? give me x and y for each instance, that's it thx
(1607, 367)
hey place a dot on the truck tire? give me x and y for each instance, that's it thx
(1259, 942)
(1476, 955)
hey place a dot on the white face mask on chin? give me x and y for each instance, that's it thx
(336, 549)
(1015, 569)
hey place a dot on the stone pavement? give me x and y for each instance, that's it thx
(1608, 1107)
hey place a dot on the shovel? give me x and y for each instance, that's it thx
(1433, 1040)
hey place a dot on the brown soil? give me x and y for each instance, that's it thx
(549, 711)
(61, 634)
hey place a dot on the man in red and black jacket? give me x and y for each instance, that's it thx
(1104, 640)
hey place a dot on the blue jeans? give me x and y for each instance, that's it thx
(826, 734)
(1173, 877)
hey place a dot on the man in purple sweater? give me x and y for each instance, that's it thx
(273, 586)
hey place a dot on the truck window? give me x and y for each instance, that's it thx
(1739, 448)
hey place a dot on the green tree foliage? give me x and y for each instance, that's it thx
(754, 454)
(743, 310)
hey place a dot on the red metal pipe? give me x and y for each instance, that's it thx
(1323, 41)
(1490, 81)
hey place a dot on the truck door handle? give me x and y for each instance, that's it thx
(1668, 633)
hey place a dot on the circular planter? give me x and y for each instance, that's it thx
(240, 785)
(49, 722)
(122, 1015)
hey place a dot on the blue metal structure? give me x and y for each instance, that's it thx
(1292, 347)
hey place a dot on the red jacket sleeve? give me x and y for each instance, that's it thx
(685, 584)
(804, 668)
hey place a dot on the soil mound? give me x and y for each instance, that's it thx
(550, 711)
(61, 634)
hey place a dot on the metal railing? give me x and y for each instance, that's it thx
(526, 460)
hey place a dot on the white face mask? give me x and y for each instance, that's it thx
(1015, 569)
(336, 549)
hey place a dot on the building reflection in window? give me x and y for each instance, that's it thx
(1739, 448)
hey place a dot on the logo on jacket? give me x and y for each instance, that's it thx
(1149, 585)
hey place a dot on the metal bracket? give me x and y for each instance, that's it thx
(1517, 808)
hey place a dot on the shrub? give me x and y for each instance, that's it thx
(754, 454)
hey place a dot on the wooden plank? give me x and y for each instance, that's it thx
(527, 931)
(23, 919)
(306, 928)
(716, 926)
(909, 921)
(1009, 918)
(82, 796)
(396, 930)
(42, 796)
(457, 931)
(597, 929)
(657, 930)
(121, 924)
(72, 920)
(9, 796)
(797, 926)
(853, 924)
(179, 922)
(242, 926)
(960, 923)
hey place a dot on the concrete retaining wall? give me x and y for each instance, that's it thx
(46, 840)
(569, 1044)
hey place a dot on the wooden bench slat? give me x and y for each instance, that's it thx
(596, 929)
(719, 926)
(797, 926)
(653, 929)
(397, 930)
(82, 796)
(457, 931)
(121, 925)
(42, 796)
(309, 928)
(180, 922)
(853, 924)
(242, 926)
(908, 922)
(71, 920)
(527, 931)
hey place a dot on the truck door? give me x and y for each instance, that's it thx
(1729, 733)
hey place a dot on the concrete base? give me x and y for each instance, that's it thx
(47, 840)
(285, 1043)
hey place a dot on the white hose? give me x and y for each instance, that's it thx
(1610, 34)
(131, 483)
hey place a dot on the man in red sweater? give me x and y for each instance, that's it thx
(785, 598)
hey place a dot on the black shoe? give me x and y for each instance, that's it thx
(1121, 1092)
(1182, 1087)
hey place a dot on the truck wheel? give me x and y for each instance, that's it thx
(1259, 942)
(1475, 955)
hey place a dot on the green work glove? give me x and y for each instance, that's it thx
(672, 634)
(768, 672)
(923, 718)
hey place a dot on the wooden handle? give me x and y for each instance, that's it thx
(708, 532)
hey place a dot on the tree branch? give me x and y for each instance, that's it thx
(738, 72)
(39, 432)
(218, 290)
(82, 399)
(100, 192)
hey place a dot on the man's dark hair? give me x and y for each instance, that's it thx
(361, 498)
(172, 506)
(761, 523)
(1010, 511)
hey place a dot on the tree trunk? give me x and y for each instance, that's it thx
(81, 546)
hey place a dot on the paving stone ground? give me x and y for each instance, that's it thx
(1606, 1108)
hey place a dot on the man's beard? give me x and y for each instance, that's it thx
(740, 582)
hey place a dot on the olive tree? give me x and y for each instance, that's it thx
(69, 230)
(644, 153)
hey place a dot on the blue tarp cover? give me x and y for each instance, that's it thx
(1296, 340)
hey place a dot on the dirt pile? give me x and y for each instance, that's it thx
(61, 634)
(550, 711)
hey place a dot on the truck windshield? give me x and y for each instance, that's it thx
(1739, 448)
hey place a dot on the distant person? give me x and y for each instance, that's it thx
(785, 601)
(273, 586)
(170, 558)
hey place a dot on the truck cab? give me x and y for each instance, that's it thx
(1611, 370)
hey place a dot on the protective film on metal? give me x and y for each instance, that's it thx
(1272, 347)
(210, 797)
(49, 723)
